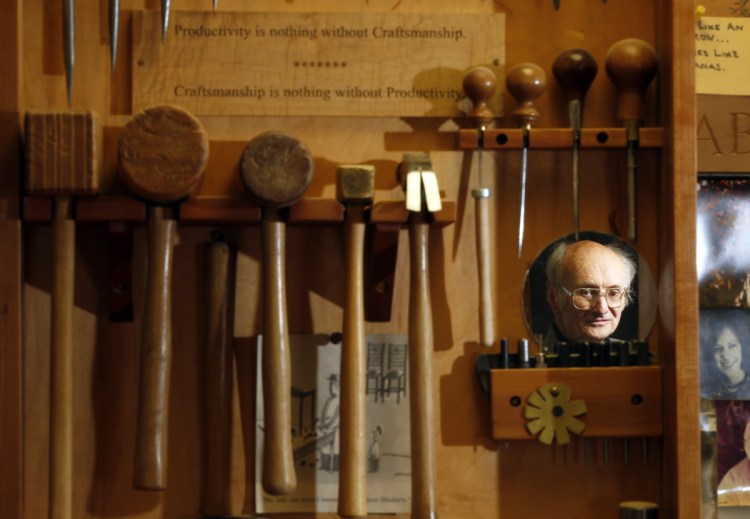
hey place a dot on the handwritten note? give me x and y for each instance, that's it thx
(359, 64)
(722, 56)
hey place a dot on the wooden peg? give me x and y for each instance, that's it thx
(631, 64)
(575, 70)
(526, 82)
(480, 84)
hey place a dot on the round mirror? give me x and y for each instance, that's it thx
(638, 316)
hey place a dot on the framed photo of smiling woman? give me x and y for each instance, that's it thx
(725, 353)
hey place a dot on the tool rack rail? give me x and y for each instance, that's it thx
(558, 138)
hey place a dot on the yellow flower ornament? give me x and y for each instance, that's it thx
(551, 414)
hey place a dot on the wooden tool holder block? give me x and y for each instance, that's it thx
(558, 138)
(386, 219)
(620, 402)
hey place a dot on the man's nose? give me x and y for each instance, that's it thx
(601, 305)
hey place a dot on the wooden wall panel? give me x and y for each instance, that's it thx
(11, 351)
(477, 476)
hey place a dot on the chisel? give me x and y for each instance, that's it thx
(69, 45)
(164, 19)
(525, 82)
(479, 84)
(631, 65)
(575, 70)
(114, 30)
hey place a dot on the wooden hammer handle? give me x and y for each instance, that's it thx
(352, 479)
(421, 344)
(219, 381)
(278, 477)
(156, 346)
(61, 362)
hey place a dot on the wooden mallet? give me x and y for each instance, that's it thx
(61, 162)
(276, 169)
(162, 152)
(356, 189)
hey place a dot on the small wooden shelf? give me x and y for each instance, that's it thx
(620, 402)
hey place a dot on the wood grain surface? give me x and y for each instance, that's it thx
(476, 476)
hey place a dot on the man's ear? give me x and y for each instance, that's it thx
(551, 299)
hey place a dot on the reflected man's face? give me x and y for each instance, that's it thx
(588, 264)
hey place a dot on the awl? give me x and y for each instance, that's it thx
(479, 84)
(575, 70)
(525, 82)
(631, 64)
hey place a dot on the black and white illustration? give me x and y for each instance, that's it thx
(316, 393)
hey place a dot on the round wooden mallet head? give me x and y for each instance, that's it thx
(276, 169)
(163, 152)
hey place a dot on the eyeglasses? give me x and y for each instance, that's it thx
(587, 298)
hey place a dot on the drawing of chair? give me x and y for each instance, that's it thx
(394, 379)
(375, 357)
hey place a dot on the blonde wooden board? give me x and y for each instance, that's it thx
(12, 433)
(352, 64)
(723, 140)
(607, 393)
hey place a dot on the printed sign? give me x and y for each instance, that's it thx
(343, 64)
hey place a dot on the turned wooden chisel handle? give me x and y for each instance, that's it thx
(480, 84)
(484, 257)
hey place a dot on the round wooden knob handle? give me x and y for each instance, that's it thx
(479, 85)
(575, 70)
(163, 152)
(526, 82)
(631, 64)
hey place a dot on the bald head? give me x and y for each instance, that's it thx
(586, 264)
